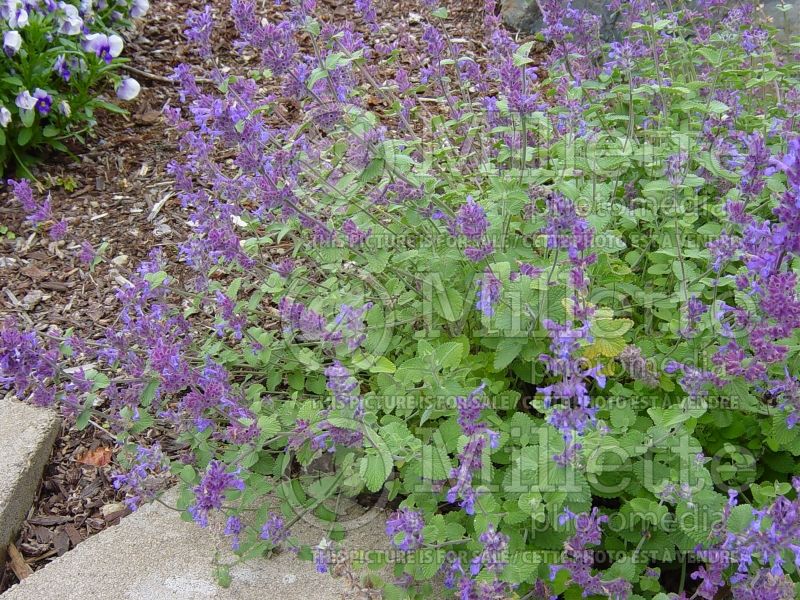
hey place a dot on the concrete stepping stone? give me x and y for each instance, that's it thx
(153, 555)
(27, 435)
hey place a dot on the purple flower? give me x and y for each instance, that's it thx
(25, 101)
(495, 545)
(675, 166)
(355, 236)
(43, 101)
(5, 117)
(489, 290)
(322, 555)
(128, 89)
(579, 560)
(274, 530)
(139, 8)
(87, 253)
(349, 325)
(146, 477)
(62, 68)
(58, 230)
(331, 437)
(12, 42)
(341, 384)
(471, 458)
(199, 29)
(36, 212)
(71, 21)
(470, 221)
(105, 47)
(285, 267)
(210, 493)
(233, 528)
(407, 523)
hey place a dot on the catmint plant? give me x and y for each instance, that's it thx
(544, 312)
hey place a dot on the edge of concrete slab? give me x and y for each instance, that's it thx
(27, 435)
(154, 554)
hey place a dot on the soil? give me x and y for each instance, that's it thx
(117, 191)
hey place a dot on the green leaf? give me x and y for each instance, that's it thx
(507, 350)
(449, 355)
(25, 136)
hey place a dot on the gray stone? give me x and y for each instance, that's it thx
(153, 555)
(27, 435)
(524, 15)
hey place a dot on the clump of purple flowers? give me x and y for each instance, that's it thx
(210, 492)
(407, 524)
(145, 478)
(579, 559)
(470, 459)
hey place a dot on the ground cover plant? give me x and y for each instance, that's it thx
(58, 60)
(545, 315)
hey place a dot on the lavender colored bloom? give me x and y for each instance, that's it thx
(349, 325)
(12, 42)
(331, 436)
(674, 168)
(87, 253)
(341, 384)
(233, 529)
(24, 362)
(62, 68)
(36, 212)
(71, 21)
(139, 8)
(199, 29)
(105, 47)
(408, 524)
(355, 236)
(471, 458)
(579, 559)
(274, 530)
(146, 477)
(470, 221)
(230, 319)
(495, 545)
(58, 230)
(322, 555)
(128, 89)
(526, 270)
(285, 267)
(210, 493)
(25, 101)
(367, 12)
(5, 117)
(489, 291)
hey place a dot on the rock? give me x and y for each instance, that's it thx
(524, 15)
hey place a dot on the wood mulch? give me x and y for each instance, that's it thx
(118, 192)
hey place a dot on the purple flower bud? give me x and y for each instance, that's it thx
(128, 89)
(139, 8)
(12, 42)
(25, 101)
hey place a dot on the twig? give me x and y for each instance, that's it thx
(18, 565)
(160, 78)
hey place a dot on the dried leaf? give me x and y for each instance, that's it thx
(99, 457)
